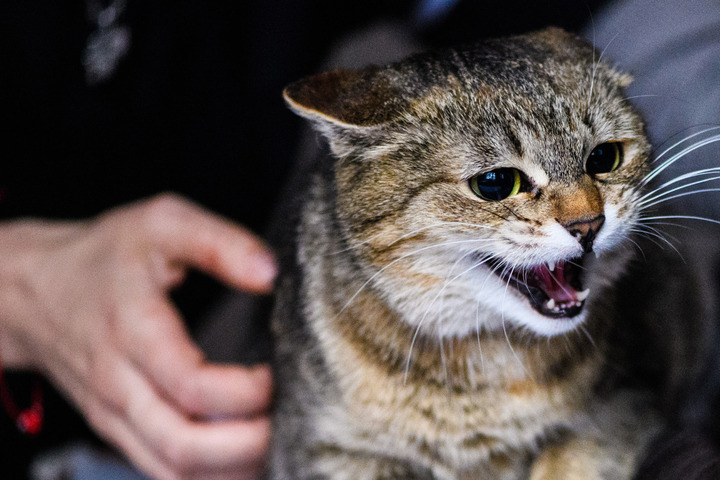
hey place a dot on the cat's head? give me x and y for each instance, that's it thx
(477, 185)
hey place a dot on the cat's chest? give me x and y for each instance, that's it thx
(464, 407)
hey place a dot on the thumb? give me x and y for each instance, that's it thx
(191, 236)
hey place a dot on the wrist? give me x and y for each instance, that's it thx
(23, 245)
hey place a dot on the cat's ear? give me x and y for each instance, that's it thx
(345, 98)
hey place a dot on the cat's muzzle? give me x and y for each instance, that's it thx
(553, 289)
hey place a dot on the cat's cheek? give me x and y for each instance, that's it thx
(615, 231)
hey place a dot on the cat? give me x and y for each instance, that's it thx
(447, 308)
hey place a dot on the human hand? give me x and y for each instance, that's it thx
(86, 303)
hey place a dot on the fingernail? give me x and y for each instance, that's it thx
(264, 267)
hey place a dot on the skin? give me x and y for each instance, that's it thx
(86, 304)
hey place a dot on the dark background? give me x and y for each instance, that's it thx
(194, 108)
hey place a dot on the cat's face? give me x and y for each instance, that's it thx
(485, 187)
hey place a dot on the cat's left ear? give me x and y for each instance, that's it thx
(345, 98)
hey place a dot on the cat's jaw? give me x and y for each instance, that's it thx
(584, 278)
(478, 295)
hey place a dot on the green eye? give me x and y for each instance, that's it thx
(604, 158)
(497, 184)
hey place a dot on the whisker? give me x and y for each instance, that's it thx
(683, 140)
(414, 232)
(440, 224)
(683, 217)
(656, 193)
(595, 67)
(477, 333)
(507, 337)
(642, 96)
(443, 362)
(651, 234)
(450, 281)
(581, 267)
(669, 224)
(402, 257)
(587, 335)
(638, 247)
(660, 168)
(409, 357)
(680, 195)
(427, 311)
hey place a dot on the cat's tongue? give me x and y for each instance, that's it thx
(554, 289)
(556, 284)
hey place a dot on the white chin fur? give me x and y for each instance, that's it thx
(527, 317)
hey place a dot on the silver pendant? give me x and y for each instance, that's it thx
(108, 44)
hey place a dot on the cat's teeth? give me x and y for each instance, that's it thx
(582, 295)
(550, 304)
(551, 266)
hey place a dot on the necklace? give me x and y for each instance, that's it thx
(108, 43)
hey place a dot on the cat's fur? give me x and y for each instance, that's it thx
(402, 348)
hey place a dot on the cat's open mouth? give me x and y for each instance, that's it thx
(553, 289)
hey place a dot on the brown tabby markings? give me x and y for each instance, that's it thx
(401, 354)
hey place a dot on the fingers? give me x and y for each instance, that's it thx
(161, 347)
(163, 442)
(189, 235)
(110, 338)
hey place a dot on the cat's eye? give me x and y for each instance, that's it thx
(497, 184)
(604, 158)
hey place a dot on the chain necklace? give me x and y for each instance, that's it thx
(108, 43)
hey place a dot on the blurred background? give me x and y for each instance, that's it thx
(105, 102)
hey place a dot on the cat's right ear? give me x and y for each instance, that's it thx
(345, 98)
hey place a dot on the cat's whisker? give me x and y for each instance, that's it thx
(668, 224)
(423, 318)
(578, 265)
(637, 247)
(642, 96)
(683, 217)
(662, 189)
(552, 275)
(477, 334)
(399, 259)
(583, 329)
(679, 195)
(504, 323)
(568, 345)
(413, 233)
(596, 63)
(646, 227)
(440, 224)
(665, 190)
(683, 140)
(447, 282)
(652, 234)
(443, 363)
(667, 163)
(409, 356)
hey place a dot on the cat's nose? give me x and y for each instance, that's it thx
(585, 231)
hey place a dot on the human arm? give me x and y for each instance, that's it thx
(86, 303)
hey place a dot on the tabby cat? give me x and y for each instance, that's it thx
(447, 302)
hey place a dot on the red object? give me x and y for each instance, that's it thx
(28, 420)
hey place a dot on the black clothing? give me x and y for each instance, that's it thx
(194, 108)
